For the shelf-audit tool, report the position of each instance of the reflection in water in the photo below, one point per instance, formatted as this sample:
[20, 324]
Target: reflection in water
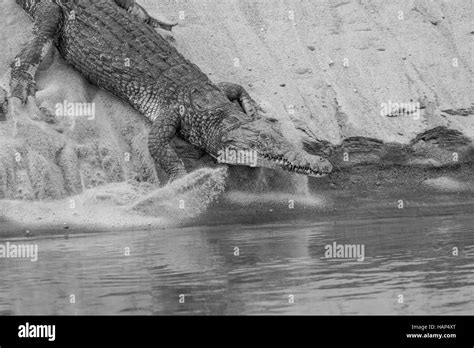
[408, 256]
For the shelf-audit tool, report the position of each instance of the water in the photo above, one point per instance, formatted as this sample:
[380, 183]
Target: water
[409, 256]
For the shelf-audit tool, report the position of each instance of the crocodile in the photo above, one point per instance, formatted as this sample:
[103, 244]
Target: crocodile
[114, 44]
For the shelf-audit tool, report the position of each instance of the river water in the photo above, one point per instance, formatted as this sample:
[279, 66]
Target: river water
[278, 268]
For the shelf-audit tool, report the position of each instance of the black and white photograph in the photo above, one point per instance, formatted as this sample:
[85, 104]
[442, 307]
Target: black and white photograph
[237, 158]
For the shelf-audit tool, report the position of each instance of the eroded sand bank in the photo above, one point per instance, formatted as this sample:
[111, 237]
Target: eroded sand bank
[323, 69]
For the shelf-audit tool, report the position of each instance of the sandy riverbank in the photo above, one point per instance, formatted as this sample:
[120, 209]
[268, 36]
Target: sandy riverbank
[323, 69]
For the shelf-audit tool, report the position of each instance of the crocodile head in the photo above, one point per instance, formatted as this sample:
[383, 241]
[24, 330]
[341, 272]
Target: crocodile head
[260, 143]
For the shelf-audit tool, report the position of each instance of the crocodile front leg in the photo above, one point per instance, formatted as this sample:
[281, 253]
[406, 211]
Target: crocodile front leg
[134, 8]
[238, 94]
[47, 18]
[159, 144]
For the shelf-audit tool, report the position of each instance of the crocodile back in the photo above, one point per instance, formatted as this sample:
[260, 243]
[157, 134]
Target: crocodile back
[117, 52]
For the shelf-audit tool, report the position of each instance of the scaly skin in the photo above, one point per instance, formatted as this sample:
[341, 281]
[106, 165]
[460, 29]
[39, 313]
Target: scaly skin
[114, 45]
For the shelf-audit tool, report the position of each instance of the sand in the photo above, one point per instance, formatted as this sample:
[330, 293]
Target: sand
[322, 68]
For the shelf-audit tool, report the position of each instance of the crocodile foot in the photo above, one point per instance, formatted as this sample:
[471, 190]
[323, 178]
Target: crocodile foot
[179, 173]
[22, 86]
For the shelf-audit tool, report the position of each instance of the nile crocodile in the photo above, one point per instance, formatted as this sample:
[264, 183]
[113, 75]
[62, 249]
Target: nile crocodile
[114, 44]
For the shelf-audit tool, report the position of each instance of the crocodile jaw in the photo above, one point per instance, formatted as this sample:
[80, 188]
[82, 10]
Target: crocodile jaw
[291, 159]
[296, 162]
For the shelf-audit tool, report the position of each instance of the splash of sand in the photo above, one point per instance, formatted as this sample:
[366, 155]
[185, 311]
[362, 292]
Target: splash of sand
[123, 205]
[275, 187]
[186, 197]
